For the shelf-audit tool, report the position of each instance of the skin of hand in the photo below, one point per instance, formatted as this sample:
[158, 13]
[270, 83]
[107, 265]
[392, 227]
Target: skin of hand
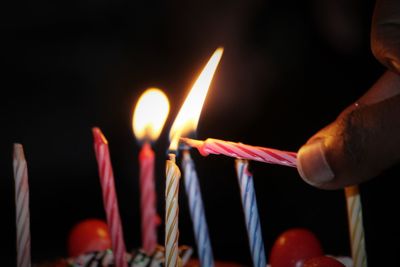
[365, 138]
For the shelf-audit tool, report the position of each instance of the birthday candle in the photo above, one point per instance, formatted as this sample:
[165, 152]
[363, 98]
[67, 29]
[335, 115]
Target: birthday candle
[243, 151]
[109, 197]
[148, 199]
[197, 211]
[185, 124]
[249, 203]
[356, 229]
[171, 213]
[22, 207]
[149, 117]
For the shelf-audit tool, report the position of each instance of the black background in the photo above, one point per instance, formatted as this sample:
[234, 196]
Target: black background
[288, 69]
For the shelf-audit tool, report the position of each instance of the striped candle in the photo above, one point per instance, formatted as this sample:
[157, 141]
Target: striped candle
[243, 151]
[197, 214]
[109, 197]
[249, 203]
[22, 207]
[356, 228]
[148, 119]
[148, 199]
[171, 213]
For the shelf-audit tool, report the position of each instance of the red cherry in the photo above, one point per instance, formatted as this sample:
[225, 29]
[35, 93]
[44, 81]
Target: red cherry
[322, 261]
[87, 236]
[293, 247]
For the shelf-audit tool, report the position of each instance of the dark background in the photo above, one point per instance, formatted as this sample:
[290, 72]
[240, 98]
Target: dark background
[288, 69]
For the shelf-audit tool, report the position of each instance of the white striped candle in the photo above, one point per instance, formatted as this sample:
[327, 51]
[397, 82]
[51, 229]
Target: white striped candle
[22, 207]
[173, 175]
[249, 203]
[356, 228]
[197, 213]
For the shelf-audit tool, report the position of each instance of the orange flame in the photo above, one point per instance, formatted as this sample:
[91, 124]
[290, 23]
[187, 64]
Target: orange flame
[189, 114]
[150, 114]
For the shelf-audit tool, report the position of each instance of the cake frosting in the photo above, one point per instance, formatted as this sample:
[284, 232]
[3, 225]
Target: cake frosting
[137, 258]
[104, 258]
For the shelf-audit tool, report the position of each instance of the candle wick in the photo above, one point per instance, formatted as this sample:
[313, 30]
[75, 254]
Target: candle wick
[185, 147]
[172, 157]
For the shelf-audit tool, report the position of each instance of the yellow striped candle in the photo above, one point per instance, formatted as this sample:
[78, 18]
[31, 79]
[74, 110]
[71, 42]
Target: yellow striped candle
[356, 228]
[173, 175]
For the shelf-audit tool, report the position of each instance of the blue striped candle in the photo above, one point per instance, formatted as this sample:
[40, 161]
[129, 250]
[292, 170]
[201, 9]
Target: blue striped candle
[197, 214]
[251, 213]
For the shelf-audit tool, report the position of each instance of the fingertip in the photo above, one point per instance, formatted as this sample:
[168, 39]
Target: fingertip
[313, 166]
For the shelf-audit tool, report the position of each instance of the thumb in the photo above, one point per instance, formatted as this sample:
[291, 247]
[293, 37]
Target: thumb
[362, 142]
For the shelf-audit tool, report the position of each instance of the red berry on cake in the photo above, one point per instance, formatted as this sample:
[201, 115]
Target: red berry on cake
[293, 247]
[88, 236]
[322, 261]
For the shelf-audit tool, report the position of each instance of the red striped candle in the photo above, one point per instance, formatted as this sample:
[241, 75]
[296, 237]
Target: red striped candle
[149, 117]
[109, 197]
[22, 207]
[243, 151]
[148, 199]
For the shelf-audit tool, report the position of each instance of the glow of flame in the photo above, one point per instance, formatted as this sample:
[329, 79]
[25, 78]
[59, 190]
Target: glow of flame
[189, 114]
[150, 114]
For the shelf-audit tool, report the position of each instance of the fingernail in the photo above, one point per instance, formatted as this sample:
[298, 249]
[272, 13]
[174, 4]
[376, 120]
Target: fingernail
[312, 164]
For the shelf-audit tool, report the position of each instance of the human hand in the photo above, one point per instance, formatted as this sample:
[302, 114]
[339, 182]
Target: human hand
[365, 139]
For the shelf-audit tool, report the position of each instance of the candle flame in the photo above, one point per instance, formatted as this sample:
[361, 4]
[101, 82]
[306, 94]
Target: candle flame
[189, 114]
[150, 114]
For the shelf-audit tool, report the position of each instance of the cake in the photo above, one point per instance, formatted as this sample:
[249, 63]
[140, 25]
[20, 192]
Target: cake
[104, 258]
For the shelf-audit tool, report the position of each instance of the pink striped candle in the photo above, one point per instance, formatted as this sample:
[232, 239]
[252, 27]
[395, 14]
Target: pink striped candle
[109, 197]
[243, 151]
[148, 199]
[22, 207]
[149, 117]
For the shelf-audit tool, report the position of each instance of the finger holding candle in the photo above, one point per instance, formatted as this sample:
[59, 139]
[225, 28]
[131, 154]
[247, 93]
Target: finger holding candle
[356, 228]
[148, 120]
[243, 151]
[109, 197]
[22, 207]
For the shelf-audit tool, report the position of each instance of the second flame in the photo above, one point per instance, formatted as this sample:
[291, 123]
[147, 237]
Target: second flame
[189, 114]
